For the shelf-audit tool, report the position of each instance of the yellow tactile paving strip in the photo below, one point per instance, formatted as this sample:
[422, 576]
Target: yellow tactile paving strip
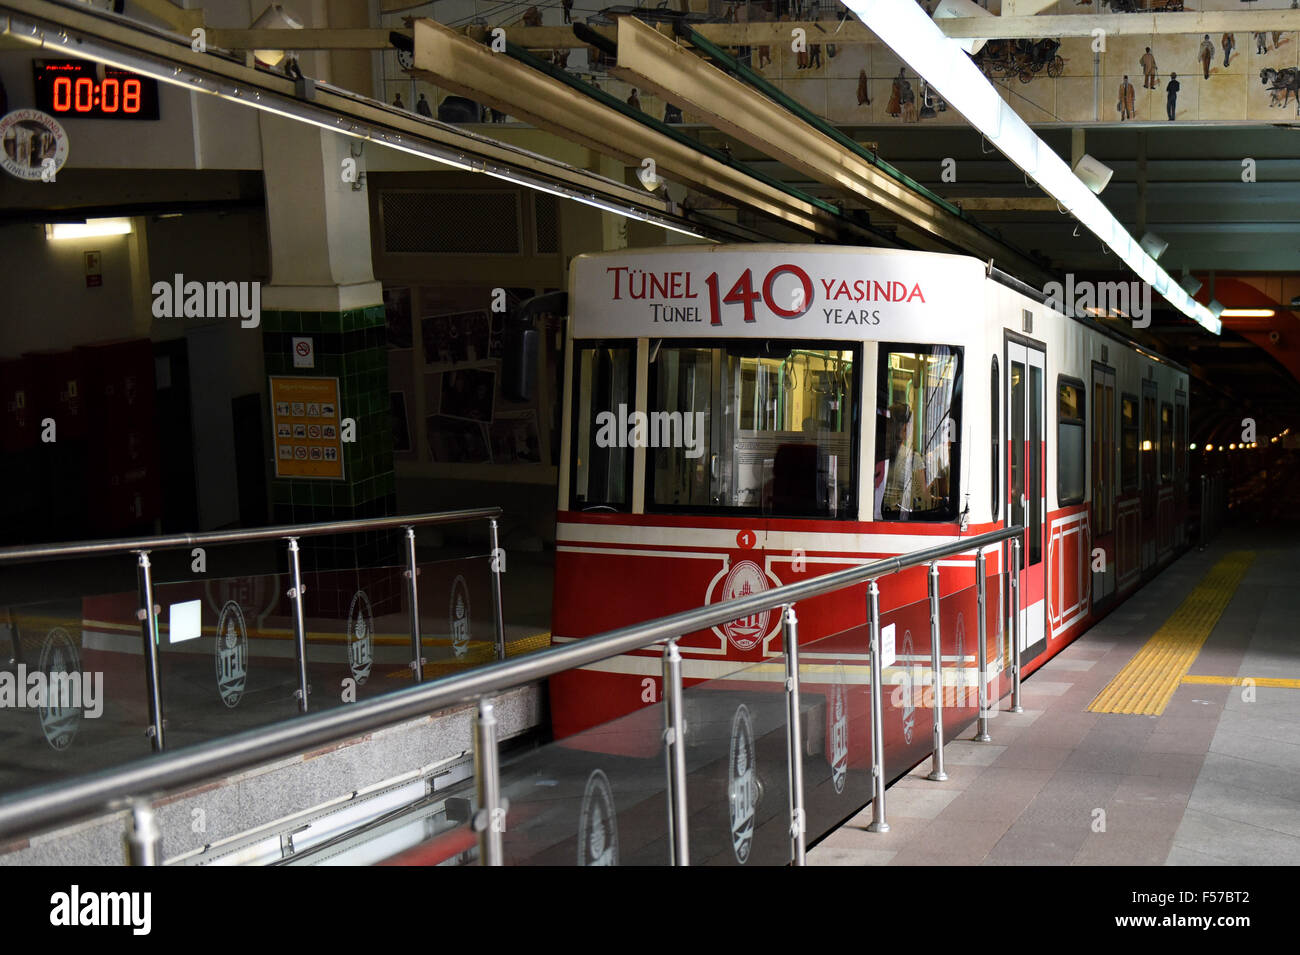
[1148, 681]
[1282, 682]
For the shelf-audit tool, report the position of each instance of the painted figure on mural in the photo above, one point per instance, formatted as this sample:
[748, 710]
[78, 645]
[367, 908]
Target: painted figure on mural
[764, 56]
[1207, 54]
[815, 53]
[1148, 64]
[1229, 43]
[894, 106]
[907, 99]
[864, 94]
[1261, 42]
[1171, 95]
[567, 7]
[1127, 100]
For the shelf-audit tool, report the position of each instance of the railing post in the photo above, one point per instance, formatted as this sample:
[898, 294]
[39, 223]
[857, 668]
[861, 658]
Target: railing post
[982, 649]
[296, 591]
[794, 734]
[413, 594]
[497, 609]
[936, 677]
[878, 823]
[675, 751]
[149, 633]
[490, 818]
[143, 838]
[1015, 626]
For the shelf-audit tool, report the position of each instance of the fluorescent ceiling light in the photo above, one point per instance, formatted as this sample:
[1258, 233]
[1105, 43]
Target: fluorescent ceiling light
[90, 229]
[1247, 313]
[913, 36]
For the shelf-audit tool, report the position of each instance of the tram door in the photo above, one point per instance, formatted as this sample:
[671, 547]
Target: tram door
[1026, 430]
[1103, 482]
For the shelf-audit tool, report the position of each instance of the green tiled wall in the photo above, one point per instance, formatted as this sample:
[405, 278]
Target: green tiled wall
[351, 346]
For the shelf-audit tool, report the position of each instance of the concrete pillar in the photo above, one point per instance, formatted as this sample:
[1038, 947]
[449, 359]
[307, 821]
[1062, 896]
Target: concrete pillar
[323, 290]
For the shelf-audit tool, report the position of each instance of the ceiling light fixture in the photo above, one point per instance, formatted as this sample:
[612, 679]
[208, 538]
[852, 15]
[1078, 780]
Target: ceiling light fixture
[1093, 173]
[904, 26]
[90, 229]
[1153, 245]
[1247, 313]
[274, 17]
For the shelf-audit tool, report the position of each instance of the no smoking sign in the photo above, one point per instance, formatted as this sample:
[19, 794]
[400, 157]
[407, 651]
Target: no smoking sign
[304, 353]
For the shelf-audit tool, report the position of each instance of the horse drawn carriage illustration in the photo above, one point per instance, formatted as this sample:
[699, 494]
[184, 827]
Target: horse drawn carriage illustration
[1002, 59]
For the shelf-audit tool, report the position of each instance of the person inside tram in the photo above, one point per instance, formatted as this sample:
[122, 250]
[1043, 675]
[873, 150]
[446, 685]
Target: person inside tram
[902, 484]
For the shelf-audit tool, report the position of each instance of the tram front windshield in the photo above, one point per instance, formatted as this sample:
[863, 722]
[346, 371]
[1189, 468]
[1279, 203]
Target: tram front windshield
[774, 426]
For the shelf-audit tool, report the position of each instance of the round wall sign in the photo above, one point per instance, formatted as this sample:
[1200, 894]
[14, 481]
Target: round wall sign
[33, 146]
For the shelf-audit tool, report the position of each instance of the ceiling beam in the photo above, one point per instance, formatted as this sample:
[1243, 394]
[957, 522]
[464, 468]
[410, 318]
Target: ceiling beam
[59, 29]
[655, 62]
[461, 66]
[853, 33]
[1007, 203]
[1213, 22]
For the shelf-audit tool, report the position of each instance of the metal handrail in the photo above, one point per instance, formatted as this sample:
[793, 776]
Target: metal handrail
[117, 788]
[147, 611]
[282, 532]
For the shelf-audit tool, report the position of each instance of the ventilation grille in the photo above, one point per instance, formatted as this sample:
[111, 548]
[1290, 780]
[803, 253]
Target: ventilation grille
[456, 222]
[546, 212]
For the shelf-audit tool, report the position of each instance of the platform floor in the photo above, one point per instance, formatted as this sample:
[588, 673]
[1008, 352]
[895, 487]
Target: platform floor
[1214, 779]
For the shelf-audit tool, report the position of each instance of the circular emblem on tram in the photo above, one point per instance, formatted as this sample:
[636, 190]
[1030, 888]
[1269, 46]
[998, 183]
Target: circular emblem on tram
[742, 784]
[60, 714]
[458, 616]
[361, 637]
[906, 684]
[598, 823]
[232, 654]
[840, 728]
[745, 578]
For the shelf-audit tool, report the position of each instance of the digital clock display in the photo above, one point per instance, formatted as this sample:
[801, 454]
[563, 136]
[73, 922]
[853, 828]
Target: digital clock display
[86, 90]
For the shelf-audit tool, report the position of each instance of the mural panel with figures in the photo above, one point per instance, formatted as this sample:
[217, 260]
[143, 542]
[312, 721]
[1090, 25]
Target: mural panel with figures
[1225, 77]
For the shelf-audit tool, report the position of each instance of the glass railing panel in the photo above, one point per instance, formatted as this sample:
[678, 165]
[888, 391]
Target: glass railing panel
[54, 726]
[835, 706]
[357, 623]
[597, 797]
[226, 656]
[737, 763]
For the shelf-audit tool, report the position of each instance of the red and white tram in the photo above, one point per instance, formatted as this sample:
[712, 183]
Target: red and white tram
[737, 418]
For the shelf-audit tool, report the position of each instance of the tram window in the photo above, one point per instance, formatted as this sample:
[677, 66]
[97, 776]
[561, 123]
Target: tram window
[761, 426]
[1070, 441]
[1128, 458]
[1166, 443]
[602, 464]
[995, 387]
[918, 428]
